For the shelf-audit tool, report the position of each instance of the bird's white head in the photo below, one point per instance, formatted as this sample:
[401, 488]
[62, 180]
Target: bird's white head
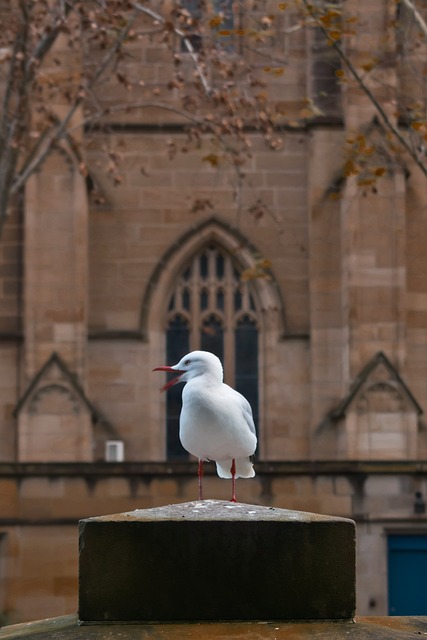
[196, 363]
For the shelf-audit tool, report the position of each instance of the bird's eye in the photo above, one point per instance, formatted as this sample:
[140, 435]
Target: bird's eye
[187, 362]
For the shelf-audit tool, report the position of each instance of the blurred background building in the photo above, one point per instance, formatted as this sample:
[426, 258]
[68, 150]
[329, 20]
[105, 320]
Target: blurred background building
[307, 278]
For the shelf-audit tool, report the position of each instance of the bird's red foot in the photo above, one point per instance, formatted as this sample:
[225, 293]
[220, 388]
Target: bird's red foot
[200, 475]
[233, 481]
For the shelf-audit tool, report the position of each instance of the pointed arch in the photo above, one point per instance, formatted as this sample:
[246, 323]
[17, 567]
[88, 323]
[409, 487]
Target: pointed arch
[198, 299]
[161, 283]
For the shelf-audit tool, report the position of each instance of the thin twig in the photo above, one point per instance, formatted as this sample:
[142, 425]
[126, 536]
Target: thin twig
[47, 41]
[113, 50]
[418, 17]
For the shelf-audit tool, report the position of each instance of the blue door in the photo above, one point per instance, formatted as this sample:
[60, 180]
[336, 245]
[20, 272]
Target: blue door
[407, 575]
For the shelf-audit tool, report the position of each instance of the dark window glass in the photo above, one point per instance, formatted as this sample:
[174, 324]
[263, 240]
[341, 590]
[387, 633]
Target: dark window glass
[204, 266]
[224, 8]
[194, 8]
[326, 62]
[212, 337]
[237, 300]
[177, 345]
[225, 31]
[220, 299]
[186, 299]
[220, 266]
[196, 43]
[325, 84]
[204, 299]
[246, 362]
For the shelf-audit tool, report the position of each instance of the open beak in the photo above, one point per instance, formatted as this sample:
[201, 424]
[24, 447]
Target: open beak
[173, 381]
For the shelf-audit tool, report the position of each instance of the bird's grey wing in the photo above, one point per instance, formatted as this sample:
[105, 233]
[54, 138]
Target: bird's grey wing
[245, 407]
[247, 412]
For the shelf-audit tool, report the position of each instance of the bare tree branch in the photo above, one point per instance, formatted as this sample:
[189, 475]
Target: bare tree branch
[418, 17]
[362, 84]
[19, 81]
[45, 142]
[236, 98]
[187, 43]
[47, 40]
[14, 127]
[114, 48]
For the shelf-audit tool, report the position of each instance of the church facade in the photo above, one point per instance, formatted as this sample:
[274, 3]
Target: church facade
[308, 283]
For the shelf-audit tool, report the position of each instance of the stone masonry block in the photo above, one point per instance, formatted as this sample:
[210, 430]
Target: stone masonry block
[215, 560]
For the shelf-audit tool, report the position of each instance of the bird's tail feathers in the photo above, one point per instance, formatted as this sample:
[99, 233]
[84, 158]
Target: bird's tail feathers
[244, 468]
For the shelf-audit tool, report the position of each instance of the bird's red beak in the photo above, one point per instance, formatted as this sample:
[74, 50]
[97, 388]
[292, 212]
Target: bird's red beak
[173, 381]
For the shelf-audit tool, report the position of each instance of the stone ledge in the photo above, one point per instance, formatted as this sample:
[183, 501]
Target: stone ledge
[161, 468]
[374, 628]
[214, 560]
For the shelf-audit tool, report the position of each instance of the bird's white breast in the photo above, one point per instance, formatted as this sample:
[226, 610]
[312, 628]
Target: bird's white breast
[214, 422]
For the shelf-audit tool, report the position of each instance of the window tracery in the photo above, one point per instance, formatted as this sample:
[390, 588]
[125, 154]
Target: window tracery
[212, 309]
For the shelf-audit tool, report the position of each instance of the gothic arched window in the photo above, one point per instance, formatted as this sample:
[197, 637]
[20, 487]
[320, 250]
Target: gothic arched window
[213, 309]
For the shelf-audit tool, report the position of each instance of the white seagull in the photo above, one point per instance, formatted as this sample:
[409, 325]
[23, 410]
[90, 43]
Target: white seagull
[216, 421]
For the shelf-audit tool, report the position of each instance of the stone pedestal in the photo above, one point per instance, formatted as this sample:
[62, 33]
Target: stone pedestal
[215, 560]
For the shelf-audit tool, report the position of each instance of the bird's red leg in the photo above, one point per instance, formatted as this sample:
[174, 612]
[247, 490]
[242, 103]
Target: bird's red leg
[233, 481]
[200, 474]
